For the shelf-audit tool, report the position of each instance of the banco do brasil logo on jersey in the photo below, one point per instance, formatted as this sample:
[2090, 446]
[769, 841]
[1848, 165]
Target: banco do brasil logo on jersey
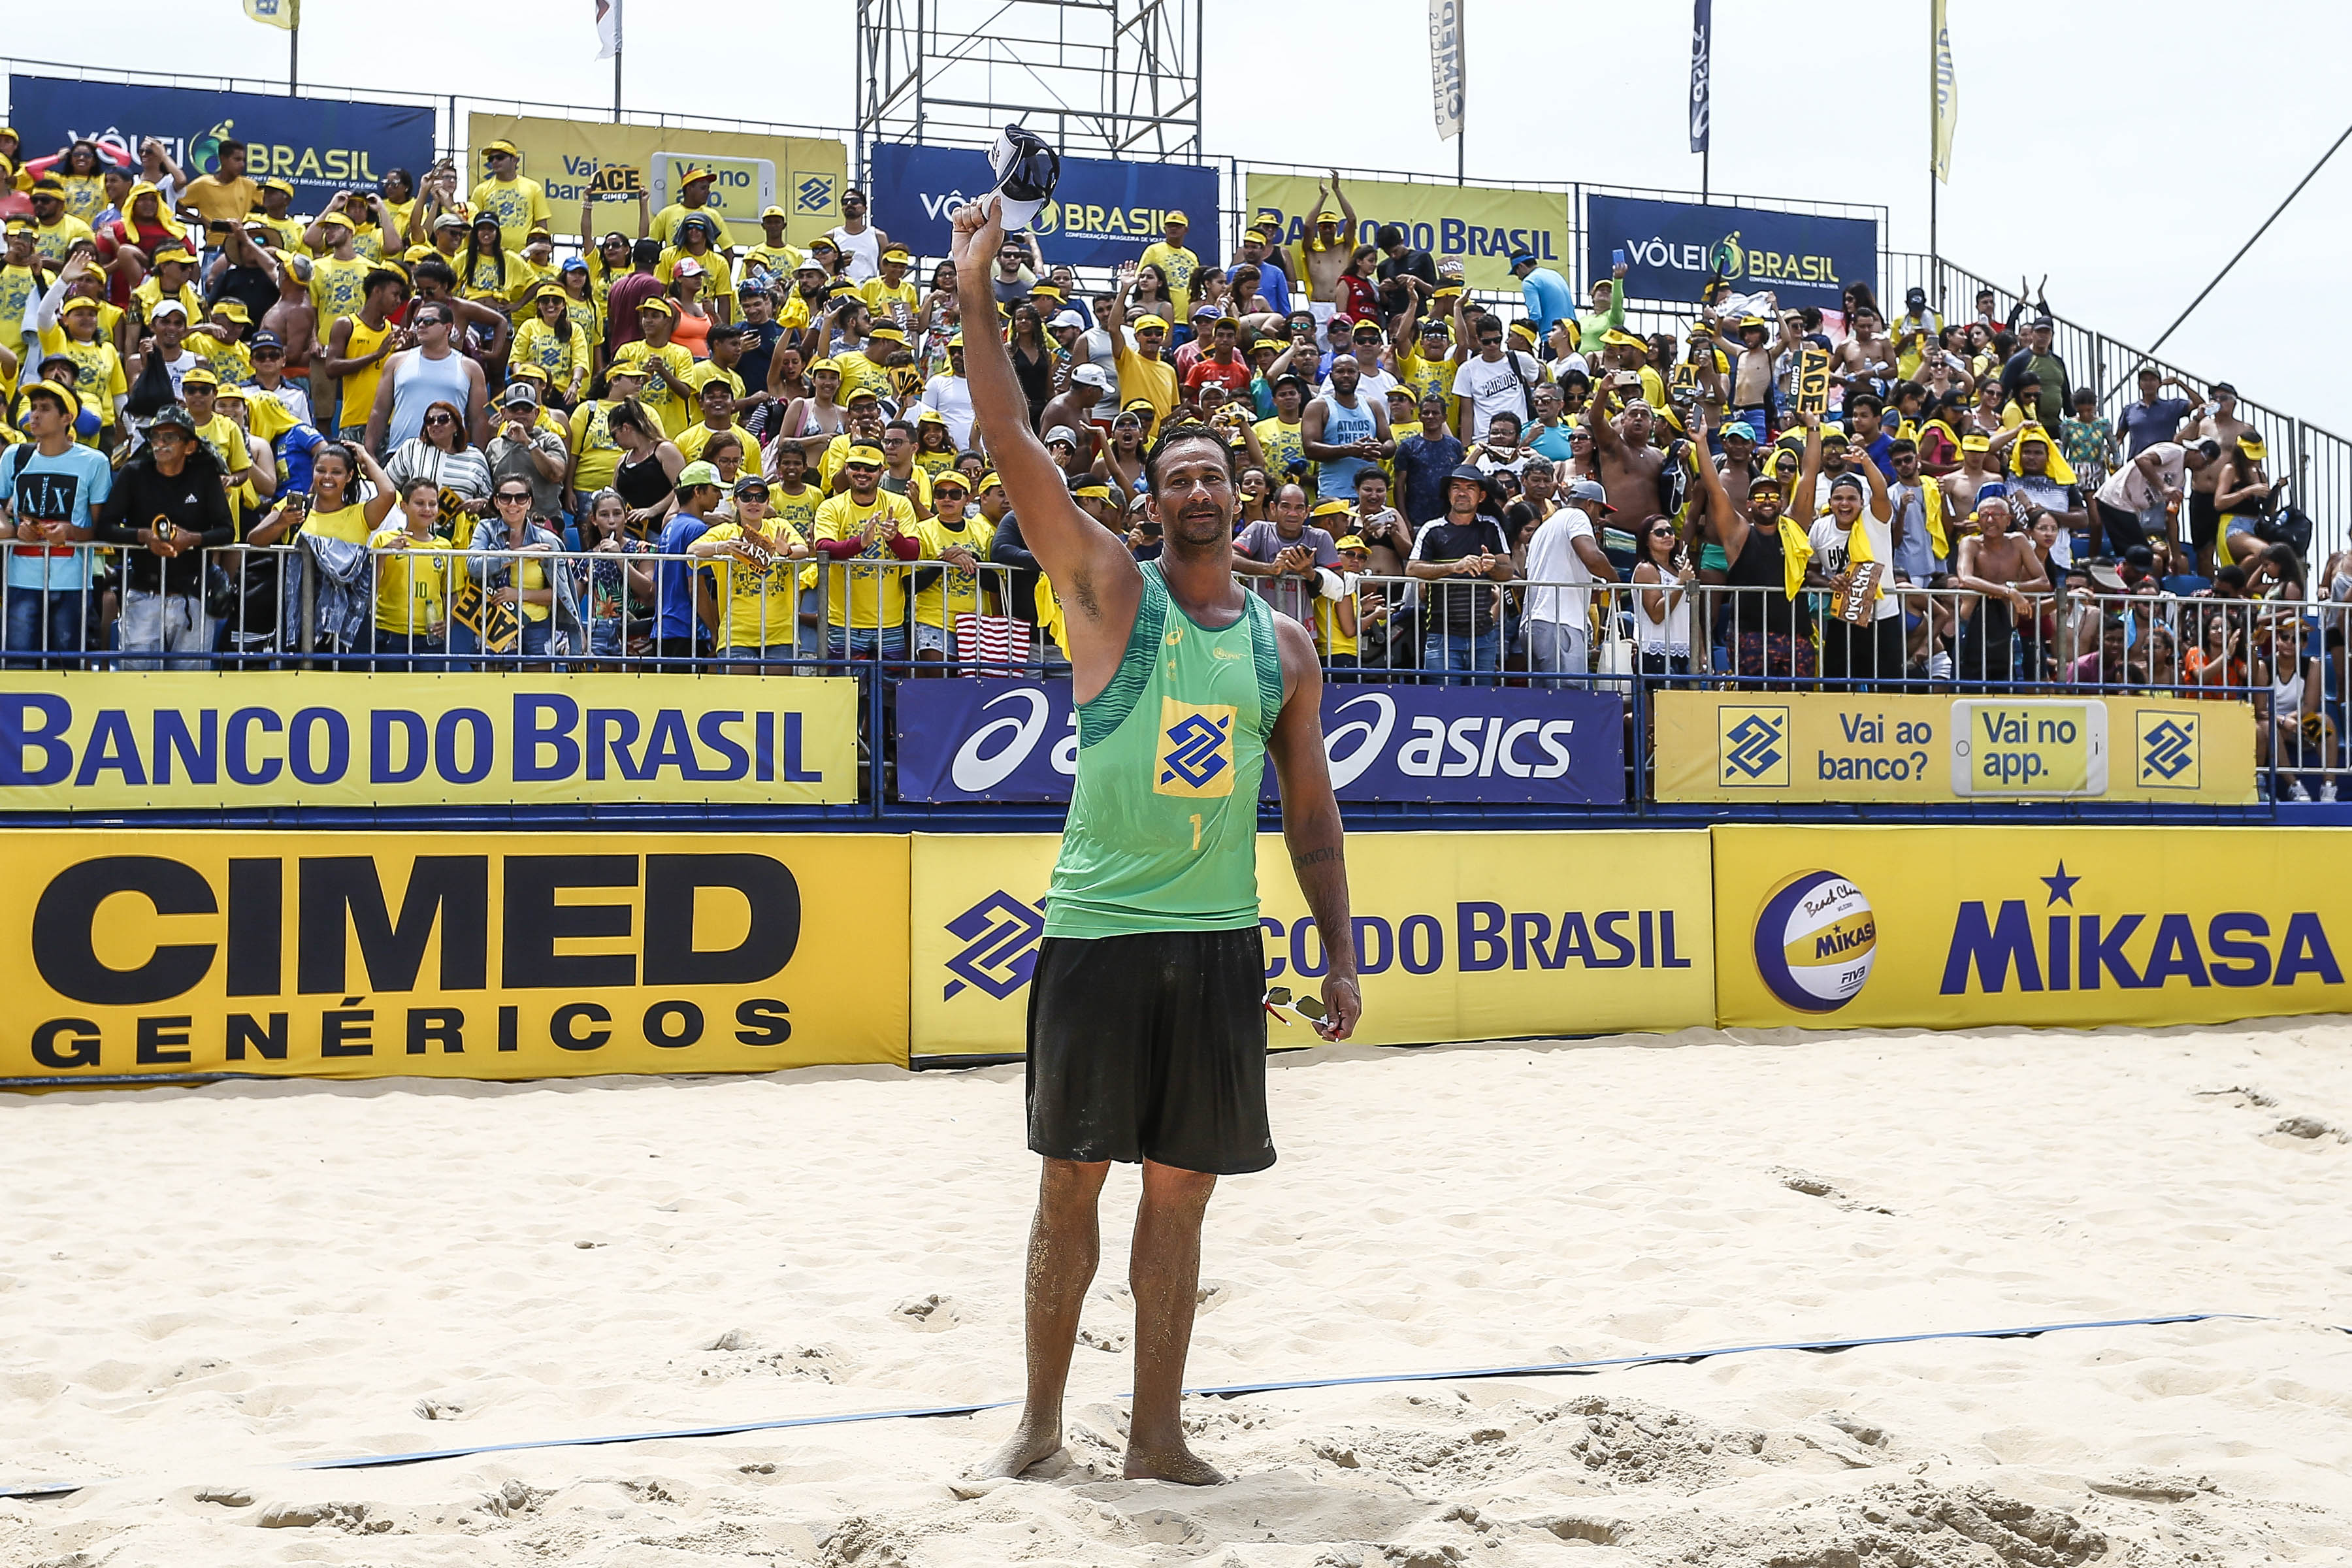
[1816, 939]
[1196, 753]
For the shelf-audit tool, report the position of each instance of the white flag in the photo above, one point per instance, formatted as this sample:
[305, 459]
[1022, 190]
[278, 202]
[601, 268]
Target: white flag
[608, 29]
[1445, 65]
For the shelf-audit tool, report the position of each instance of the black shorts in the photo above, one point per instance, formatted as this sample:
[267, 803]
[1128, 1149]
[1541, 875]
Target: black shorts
[1150, 1047]
[2204, 519]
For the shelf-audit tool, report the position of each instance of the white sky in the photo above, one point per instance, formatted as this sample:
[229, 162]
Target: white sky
[2124, 147]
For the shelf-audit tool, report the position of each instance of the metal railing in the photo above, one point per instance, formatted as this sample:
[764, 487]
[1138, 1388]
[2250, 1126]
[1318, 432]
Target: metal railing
[285, 608]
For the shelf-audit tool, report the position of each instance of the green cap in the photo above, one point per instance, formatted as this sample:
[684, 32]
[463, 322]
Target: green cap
[695, 474]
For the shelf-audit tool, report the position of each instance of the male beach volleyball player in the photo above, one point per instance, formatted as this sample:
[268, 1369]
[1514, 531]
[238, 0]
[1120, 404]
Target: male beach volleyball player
[1147, 1027]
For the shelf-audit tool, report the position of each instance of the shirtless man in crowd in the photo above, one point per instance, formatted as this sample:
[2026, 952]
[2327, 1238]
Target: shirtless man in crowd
[1629, 467]
[2002, 565]
[1327, 251]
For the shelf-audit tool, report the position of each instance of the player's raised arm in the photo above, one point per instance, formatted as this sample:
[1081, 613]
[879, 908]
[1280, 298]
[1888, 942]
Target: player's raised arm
[1093, 574]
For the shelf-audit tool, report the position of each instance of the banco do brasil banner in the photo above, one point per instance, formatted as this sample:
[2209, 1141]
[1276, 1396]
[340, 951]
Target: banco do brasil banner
[1672, 248]
[1459, 936]
[1103, 212]
[2065, 926]
[124, 740]
[1482, 226]
[322, 145]
[802, 175]
[449, 955]
[983, 739]
[1758, 747]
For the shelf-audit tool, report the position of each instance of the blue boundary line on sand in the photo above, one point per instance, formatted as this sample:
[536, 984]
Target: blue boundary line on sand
[1224, 1391]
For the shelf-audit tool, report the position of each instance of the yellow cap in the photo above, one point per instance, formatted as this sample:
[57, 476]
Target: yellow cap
[199, 377]
[502, 145]
[655, 303]
[833, 365]
[1151, 323]
[1333, 507]
[870, 457]
[63, 394]
[989, 480]
[1174, 217]
[235, 311]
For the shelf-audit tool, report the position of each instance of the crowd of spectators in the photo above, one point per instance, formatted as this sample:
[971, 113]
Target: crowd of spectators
[1432, 482]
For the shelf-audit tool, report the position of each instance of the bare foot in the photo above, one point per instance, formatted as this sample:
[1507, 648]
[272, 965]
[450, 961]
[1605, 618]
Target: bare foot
[1178, 1464]
[1027, 1446]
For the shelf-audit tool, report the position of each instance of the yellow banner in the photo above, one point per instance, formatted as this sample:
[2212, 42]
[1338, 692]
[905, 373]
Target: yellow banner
[565, 155]
[1951, 928]
[127, 741]
[1459, 936]
[1818, 746]
[449, 955]
[1481, 225]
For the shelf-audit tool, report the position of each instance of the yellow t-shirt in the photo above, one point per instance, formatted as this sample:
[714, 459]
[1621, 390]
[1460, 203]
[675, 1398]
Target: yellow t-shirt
[336, 289]
[519, 202]
[1179, 267]
[890, 304]
[232, 362]
[480, 282]
[666, 222]
[718, 278]
[412, 580]
[797, 512]
[1283, 445]
[221, 201]
[99, 377]
[760, 607]
[563, 359]
[50, 244]
[596, 456]
[1327, 628]
[954, 591]
[289, 231]
[85, 193]
[699, 434]
[674, 412]
[1151, 380]
[876, 594]
[19, 285]
[777, 260]
[858, 373]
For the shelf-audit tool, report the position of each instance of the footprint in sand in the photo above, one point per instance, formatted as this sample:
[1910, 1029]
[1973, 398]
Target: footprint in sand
[926, 1314]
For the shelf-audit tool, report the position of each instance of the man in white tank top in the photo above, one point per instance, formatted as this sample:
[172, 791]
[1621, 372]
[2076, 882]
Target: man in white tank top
[433, 372]
[860, 241]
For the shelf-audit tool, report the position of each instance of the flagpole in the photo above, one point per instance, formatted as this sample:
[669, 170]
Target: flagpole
[1935, 92]
[294, 52]
[1461, 130]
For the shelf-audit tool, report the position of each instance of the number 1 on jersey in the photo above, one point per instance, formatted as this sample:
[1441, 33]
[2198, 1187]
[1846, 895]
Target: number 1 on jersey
[1196, 833]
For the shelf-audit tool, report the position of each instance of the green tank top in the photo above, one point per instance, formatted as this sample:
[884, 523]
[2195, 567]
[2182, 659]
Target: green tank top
[1162, 832]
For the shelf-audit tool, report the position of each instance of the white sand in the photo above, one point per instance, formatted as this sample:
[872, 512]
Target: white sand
[202, 1286]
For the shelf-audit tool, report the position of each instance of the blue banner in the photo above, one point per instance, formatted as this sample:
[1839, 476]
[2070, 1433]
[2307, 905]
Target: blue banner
[1103, 212]
[987, 739]
[322, 145]
[1672, 248]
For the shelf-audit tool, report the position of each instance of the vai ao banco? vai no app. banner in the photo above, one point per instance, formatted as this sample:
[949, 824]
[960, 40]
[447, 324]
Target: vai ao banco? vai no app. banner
[450, 956]
[1459, 936]
[127, 741]
[1818, 746]
[1952, 927]
[802, 175]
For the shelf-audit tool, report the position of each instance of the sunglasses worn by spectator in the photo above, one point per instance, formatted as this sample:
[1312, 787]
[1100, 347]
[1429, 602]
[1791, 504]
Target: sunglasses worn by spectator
[506, 495]
[438, 419]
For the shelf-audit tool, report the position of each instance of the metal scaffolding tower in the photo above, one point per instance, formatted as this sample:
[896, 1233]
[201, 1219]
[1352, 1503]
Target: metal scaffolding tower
[1116, 78]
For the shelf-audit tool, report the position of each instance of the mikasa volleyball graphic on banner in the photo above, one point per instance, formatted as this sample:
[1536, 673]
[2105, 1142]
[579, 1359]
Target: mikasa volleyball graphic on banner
[1816, 938]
